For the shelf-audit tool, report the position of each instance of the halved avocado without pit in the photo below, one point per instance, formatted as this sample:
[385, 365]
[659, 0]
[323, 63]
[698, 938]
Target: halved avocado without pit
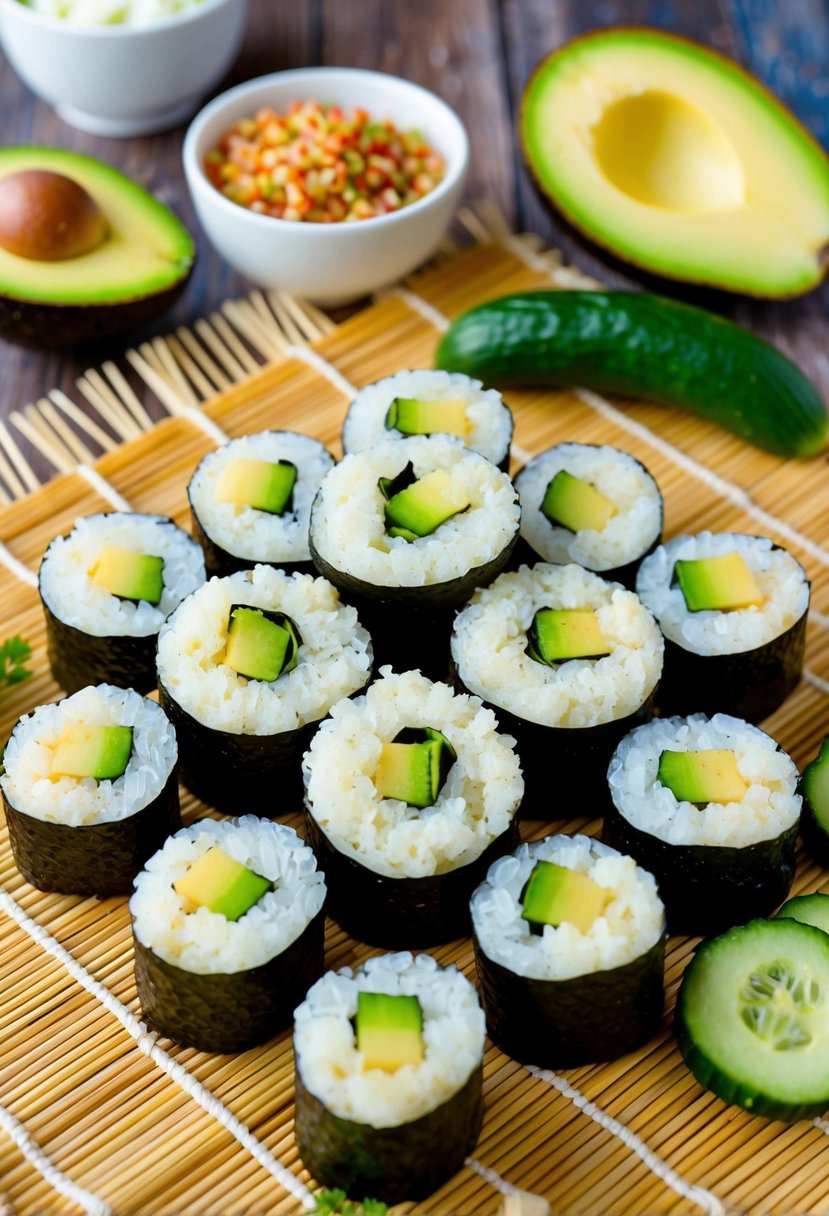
[125, 261]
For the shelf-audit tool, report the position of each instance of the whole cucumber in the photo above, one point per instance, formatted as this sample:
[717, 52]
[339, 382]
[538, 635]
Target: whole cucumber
[642, 346]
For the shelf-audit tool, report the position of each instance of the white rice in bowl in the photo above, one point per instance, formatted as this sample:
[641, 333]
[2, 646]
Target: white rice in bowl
[490, 421]
[206, 942]
[490, 638]
[780, 578]
[769, 807]
[348, 528]
[333, 661]
[615, 474]
[332, 1068]
[631, 923]
[476, 803]
[79, 801]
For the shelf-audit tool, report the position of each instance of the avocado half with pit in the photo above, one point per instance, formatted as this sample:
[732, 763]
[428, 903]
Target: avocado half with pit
[675, 159]
[85, 252]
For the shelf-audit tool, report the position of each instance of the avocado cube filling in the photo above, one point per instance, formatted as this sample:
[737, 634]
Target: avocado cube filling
[701, 777]
[220, 883]
[261, 645]
[425, 504]
[575, 504]
[555, 895]
[722, 583]
[413, 767]
[129, 575]
[102, 752]
[559, 634]
[413, 417]
[389, 1030]
[261, 484]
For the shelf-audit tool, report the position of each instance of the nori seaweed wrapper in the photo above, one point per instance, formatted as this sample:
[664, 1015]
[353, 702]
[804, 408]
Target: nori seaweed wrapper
[96, 858]
[569, 1022]
[239, 774]
[525, 555]
[219, 561]
[393, 1164]
[708, 888]
[231, 1011]
[409, 639]
[401, 913]
[77, 658]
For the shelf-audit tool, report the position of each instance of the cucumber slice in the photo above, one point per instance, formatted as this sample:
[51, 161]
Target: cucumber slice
[752, 1018]
[814, 821]
[809, 909]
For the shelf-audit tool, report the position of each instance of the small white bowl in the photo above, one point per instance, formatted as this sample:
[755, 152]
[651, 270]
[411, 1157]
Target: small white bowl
[124, 80]
[328, 263]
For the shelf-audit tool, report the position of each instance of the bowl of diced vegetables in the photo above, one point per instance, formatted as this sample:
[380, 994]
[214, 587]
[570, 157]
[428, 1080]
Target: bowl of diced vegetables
[328, 183]
[122, 67]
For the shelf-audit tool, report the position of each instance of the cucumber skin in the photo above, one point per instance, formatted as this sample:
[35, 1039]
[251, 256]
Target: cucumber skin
[813, 826]
[643, 346]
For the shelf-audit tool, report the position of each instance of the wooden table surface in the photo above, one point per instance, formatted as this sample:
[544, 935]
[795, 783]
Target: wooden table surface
[476, 54]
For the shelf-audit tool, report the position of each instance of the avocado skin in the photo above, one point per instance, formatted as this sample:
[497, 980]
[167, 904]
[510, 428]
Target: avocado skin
[401, 913]
[393, 1164]
[708, 888]
[582, 1020]
[229, 1012]
[96, 858]
[57, 326]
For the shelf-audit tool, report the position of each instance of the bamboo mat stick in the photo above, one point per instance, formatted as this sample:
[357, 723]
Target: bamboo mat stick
[235, 350]
[84, 422]
[21, 464]
[127, 396]
[99, 394]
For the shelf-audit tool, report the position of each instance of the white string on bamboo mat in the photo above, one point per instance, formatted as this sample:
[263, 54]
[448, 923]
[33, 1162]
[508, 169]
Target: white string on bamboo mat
[147, 1044]
[16, 567]
[687, 1190]
[59, 1181]
[315, 360]
[205, 423]
[426, 310]
[492, 1177]
[102, 487]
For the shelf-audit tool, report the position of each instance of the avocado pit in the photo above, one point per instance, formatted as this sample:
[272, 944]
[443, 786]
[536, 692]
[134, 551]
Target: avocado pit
[48, 217]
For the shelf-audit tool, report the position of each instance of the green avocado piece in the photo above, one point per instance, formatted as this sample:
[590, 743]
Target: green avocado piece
[414, 766]
[389, 1030]
[261, 645]
[723, 583]
[414, 417]
[135, 273]
[559, 634]
[102, 752]
[555, 894]
[704, 776]
[424, 505]
[262, 484]
[222, 884]
[576, 504]
[129, 575]
[678, 160]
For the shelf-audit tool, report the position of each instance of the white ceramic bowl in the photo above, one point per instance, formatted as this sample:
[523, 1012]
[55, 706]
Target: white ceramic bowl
[120, 79]
[328, 263]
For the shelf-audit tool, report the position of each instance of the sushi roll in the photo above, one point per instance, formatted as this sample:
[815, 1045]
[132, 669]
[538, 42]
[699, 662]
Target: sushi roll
[411, 793]
[250, 501]
[228, 927]
[711, 808]
[90, 790]
[569, 663]
[569, 940]
[407, 530]
[733, 611]
[593, 505]
[247, 665]
[430, 402]
[106, 590]
[389, 1066]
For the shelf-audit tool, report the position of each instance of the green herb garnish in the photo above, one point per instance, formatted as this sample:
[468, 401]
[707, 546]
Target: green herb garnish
[13, 655]
[337, 1203]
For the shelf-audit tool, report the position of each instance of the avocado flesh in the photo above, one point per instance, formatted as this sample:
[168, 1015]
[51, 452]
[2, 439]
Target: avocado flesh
[405, 772]
[411, 416]
[703, 776]
[722, 583]
[261, 484]
[426, 504]
[575, 504]
[555, 895]
[261, 645]
[102, 752]
[389, 1030]
[220, 883]
[677, 160]
[129, 575]
[559, 634]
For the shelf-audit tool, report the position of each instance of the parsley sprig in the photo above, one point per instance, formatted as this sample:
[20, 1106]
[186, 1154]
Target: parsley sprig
[336, 1203]
[13, 655]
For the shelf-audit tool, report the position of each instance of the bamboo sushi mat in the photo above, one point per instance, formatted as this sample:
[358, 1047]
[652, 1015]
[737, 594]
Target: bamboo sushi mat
[98, 1116]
